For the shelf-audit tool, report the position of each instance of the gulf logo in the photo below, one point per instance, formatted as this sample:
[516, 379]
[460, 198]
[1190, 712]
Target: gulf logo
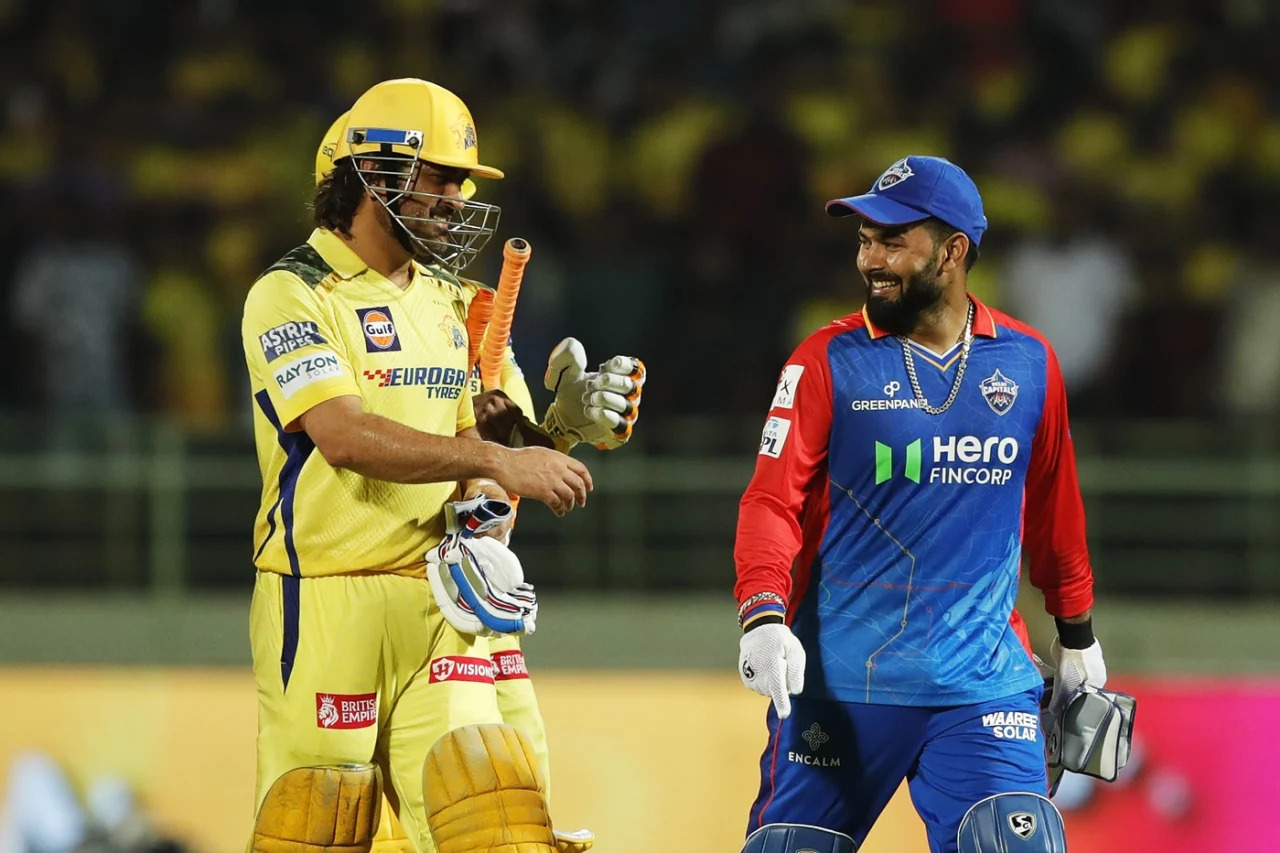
[379, 329]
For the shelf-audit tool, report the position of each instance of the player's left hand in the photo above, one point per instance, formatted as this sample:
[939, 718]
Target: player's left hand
[596, 407]
[1072, 668]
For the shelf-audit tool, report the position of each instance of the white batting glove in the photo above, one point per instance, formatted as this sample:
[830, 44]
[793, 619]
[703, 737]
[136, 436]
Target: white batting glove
[596, 407]
[771, 662]
[1072, 668]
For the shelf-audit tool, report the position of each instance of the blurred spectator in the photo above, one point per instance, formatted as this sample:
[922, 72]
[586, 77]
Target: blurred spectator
[1251, 370]
[1074, 284]
[75, 296]
[677, 152]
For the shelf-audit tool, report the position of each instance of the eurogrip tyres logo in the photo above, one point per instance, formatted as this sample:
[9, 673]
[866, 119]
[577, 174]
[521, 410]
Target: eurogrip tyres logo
[953, 460]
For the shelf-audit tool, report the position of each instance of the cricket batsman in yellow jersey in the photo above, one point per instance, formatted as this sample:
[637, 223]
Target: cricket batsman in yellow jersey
[356, 347]
[599, 408]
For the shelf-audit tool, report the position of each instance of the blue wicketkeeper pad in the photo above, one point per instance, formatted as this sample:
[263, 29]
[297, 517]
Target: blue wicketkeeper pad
[1012, 823]
[797, 838]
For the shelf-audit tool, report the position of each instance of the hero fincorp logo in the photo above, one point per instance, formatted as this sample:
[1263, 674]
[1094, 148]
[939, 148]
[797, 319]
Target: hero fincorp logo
[956, 460]
[439, 383]
[379, 329]
[287, 337]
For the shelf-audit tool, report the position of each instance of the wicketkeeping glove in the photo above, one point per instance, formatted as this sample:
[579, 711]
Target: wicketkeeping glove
[597, 407]
[771, 662]
[477, 581]
[1071, 669]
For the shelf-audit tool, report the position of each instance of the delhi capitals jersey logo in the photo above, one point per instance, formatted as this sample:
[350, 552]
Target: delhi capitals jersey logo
[1000, 392]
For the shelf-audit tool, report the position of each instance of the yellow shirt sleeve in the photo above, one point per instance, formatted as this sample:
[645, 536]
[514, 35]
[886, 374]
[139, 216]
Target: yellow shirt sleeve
[292, 347]
[466, 408]
[514, 386]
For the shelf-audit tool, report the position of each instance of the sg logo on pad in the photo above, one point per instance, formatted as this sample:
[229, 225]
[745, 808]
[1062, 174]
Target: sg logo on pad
[379, 329]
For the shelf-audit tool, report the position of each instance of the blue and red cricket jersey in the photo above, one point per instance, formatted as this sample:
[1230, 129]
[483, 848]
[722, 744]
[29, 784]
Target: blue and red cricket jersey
[897, 536]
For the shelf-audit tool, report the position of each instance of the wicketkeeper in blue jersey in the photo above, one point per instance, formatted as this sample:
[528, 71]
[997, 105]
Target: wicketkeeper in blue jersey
[912, 453]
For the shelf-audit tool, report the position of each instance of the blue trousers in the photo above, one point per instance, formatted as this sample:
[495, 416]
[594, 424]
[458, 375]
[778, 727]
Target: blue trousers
[837, 764]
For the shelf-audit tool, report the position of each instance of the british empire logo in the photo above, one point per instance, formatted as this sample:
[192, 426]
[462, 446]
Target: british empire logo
[999, 391]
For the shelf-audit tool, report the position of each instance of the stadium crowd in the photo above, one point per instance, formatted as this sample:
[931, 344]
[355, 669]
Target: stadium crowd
[673, 155]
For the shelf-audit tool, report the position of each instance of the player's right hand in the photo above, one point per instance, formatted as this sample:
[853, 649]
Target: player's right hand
[556, 479]
[771, 662]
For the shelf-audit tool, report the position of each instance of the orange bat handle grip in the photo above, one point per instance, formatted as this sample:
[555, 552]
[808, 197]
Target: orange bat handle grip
[478, 315]
[515, 254]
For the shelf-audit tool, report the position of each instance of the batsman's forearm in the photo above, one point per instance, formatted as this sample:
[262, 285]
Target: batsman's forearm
[381, 449]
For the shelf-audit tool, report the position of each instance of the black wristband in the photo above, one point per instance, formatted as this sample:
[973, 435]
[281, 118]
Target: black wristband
[766, 619]
[1075, 635]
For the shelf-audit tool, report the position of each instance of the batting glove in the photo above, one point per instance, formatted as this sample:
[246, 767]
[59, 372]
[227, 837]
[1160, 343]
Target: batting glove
[478, 583]
[771, 662]
[596, 407]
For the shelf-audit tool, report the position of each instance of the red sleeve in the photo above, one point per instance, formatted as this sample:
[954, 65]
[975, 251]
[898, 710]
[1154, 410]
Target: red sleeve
[789, 468]
[1054, 529]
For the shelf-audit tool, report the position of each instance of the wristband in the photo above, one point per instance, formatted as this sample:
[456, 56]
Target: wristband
[759, 605]
[1075, 635]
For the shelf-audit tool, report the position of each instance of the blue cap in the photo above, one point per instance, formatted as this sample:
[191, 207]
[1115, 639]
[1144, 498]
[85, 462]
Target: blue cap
[915, 188]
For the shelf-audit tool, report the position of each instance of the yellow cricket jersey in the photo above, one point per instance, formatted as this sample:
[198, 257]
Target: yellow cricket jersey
[512, 382]
[320, 324]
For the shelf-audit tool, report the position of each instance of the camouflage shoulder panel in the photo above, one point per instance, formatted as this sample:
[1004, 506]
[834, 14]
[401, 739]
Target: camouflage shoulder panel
[437, 271]
[304, 262]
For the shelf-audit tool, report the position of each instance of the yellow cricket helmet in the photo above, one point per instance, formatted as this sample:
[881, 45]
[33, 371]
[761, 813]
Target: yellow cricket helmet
[414, 118]
[329, 144]
[390, 131]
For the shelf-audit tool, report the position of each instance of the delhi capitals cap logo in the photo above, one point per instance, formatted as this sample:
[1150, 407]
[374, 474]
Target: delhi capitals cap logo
[999, 391]
[894, 175]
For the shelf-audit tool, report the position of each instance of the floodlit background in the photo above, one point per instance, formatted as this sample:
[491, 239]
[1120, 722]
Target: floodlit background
[668, 160]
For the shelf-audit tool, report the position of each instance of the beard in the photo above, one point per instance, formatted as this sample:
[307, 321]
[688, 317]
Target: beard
[918, 295]
[426, 241]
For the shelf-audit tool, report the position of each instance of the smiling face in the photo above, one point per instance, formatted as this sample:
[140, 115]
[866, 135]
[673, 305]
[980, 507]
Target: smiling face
[902, 268]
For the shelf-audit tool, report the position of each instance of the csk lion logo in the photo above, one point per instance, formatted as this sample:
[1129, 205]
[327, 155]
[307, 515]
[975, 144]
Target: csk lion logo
[464, 132]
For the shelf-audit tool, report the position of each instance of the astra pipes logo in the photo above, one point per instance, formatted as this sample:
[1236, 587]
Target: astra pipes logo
[955, 460]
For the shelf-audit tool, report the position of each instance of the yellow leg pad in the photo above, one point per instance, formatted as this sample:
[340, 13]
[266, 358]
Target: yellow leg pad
[311, 809]
[483, 792]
